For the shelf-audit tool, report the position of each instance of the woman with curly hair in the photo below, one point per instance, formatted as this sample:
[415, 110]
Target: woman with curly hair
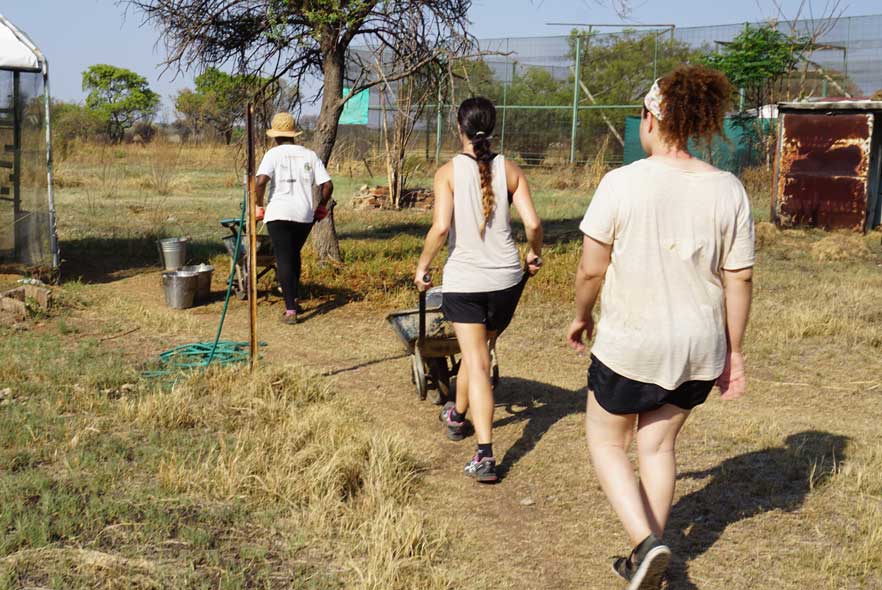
[483, 276]
[670, 240]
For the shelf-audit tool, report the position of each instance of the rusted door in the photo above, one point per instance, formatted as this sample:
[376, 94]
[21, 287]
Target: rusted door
[823, 169]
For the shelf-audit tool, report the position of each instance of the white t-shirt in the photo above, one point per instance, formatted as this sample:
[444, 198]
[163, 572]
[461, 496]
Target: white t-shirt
[662, 317]
[293, 171]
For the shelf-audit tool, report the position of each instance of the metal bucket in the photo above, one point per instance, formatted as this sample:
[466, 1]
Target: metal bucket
[172, 252]
[180, 288]
[203, 279]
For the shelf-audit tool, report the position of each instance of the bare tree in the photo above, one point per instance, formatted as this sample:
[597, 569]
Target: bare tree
[302, 39]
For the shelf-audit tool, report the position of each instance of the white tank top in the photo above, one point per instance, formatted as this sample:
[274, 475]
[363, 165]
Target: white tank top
[476, 265]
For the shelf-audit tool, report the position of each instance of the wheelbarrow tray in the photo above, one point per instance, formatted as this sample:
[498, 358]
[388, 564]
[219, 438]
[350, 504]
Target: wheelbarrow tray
[440, 339]
[264, 247]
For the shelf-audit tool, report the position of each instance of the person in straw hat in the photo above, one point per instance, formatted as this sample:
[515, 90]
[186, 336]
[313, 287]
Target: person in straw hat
[291, 171]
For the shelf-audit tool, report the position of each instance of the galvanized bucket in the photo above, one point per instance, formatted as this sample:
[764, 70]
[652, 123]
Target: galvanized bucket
[172, 252]
[180, 288]
[203, 282]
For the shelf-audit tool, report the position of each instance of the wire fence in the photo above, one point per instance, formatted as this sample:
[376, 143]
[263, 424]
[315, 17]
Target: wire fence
[566, 98]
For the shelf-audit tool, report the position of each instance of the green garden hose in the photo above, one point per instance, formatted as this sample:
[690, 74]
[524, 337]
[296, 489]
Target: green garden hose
[201, 354]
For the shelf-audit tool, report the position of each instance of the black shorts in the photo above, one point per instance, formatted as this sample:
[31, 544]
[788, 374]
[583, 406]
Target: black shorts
[619, 395]
[494, 309]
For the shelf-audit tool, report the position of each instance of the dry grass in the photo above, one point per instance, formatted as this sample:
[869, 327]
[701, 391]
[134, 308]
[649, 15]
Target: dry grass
[283, 441]
[840, 246]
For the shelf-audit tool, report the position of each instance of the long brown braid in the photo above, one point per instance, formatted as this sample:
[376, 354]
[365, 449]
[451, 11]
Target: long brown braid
[477, 118]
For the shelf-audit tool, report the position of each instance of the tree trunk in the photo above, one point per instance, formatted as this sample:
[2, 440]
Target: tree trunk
[324, 233]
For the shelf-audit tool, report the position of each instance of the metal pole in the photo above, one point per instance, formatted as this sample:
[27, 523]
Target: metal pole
[502, 128]
[53, 232]
[17, 111]
[655, 58]
[252, 237]
[576, 98]
[741, 100]
[438, 126]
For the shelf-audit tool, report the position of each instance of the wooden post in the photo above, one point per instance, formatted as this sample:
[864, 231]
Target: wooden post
[252, 237]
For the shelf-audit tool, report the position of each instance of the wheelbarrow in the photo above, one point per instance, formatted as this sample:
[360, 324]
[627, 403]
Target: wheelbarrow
[265, 259]
[431, 343]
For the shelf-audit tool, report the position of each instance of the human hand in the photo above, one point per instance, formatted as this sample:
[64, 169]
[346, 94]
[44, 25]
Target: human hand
[320, 213]
[534, 263]
[733, 381]
[422, 279]
[259, 213]
[575, 332]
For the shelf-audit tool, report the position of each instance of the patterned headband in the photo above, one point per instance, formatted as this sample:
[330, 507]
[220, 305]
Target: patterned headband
[653, 100]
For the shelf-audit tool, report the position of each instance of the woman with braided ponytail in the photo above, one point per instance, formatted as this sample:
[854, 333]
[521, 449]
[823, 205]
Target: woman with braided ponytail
[483, 277]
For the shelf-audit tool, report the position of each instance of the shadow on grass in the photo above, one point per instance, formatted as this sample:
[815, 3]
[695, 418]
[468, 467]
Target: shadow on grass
[104, 260]
[540, 405]
[556, 231]
[777, 478]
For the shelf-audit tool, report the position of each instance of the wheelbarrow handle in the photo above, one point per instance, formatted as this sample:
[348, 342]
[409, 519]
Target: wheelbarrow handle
[427, 278]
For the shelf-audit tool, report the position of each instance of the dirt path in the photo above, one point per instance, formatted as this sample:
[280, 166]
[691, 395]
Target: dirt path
[744, 505]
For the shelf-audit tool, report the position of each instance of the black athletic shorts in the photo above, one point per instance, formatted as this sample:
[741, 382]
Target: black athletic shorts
[619, 395]
[494, 309]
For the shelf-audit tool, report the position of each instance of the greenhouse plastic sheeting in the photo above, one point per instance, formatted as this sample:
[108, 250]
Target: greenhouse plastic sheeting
[24, 209]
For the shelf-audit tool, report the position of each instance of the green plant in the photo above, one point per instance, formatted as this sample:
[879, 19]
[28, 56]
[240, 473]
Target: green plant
[120, 97]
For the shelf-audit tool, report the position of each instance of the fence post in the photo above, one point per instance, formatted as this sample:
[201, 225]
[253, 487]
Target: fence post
[438, 126]
[576, 98]
[504, 110]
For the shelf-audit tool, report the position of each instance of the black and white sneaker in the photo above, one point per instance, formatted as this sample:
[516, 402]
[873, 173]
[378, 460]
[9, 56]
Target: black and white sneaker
[646, 566]
[483, 469]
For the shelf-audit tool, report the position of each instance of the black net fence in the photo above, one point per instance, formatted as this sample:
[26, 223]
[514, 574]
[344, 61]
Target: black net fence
[567, 98]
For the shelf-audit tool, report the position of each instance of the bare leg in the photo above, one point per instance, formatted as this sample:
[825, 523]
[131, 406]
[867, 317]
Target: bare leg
[608, 438]
[462, 387]
[472, 340]
[656, 438]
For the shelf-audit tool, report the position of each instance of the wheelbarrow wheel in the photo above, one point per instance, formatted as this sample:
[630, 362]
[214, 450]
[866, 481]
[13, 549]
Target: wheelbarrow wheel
[440, 373]
[418, 372]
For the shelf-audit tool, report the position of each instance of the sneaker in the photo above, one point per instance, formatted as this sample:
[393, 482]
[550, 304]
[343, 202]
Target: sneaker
[455, 430]
[646, 566]
[289, 318]
[483, 469]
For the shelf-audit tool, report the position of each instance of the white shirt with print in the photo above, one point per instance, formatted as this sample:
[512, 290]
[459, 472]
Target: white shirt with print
[293, 171]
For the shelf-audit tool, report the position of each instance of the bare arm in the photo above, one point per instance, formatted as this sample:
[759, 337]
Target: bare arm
[523, 202]
[327, 191]
[260, 188]
[442, 216]
[589, 278]
[738, 293]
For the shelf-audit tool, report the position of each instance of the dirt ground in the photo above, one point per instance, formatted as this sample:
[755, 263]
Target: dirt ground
[750, 509]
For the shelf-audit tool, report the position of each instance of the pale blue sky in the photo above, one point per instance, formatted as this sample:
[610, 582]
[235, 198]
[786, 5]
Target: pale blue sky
[77, 33]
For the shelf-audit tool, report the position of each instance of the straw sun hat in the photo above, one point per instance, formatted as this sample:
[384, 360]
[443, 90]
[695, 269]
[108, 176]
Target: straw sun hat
[283, 126]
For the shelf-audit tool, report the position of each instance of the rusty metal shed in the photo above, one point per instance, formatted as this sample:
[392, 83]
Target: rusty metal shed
[827, 166]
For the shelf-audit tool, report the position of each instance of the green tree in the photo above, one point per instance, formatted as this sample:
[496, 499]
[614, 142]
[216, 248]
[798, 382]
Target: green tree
[223, 97]
[120, 97]
[618, 70]
[71, 123]
[760, 60]
[190, 108]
